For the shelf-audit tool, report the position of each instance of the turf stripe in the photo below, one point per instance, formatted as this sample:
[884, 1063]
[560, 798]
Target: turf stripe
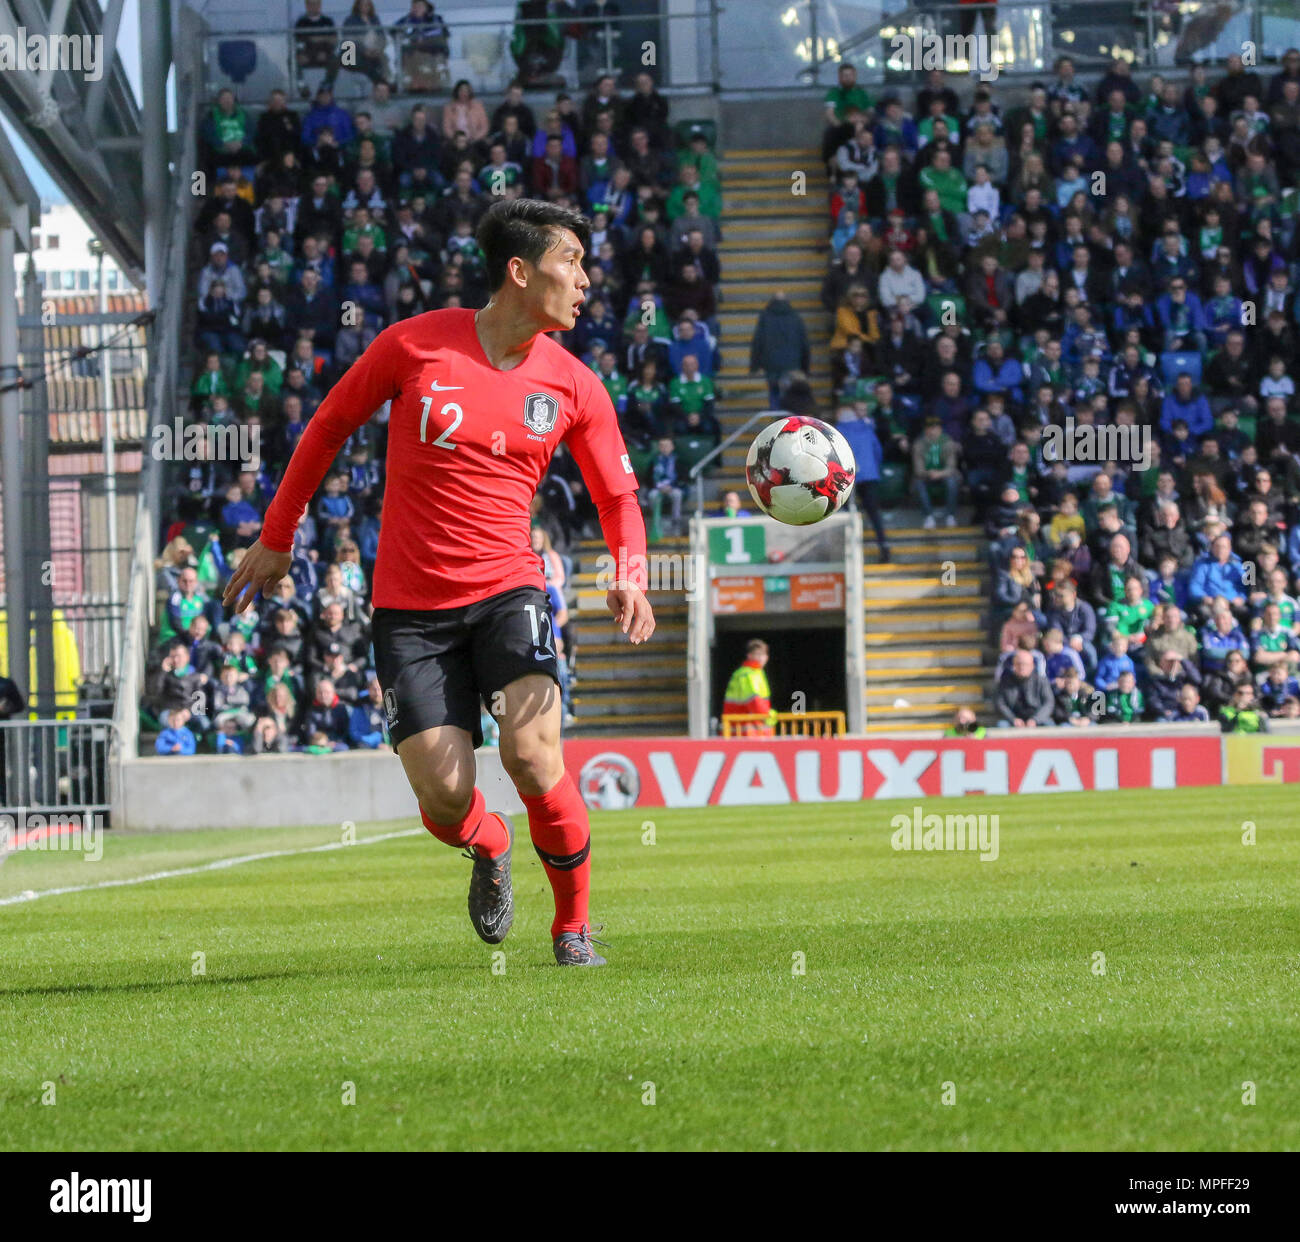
[218, 865]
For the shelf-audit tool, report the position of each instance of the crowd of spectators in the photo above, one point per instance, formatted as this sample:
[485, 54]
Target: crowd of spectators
[321, 230]
[1079, 316]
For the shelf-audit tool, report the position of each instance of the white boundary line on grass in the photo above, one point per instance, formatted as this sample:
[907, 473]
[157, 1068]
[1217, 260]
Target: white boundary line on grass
[218, 865]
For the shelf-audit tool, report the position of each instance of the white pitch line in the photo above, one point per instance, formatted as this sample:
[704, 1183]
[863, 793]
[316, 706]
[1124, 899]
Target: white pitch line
[218, 865]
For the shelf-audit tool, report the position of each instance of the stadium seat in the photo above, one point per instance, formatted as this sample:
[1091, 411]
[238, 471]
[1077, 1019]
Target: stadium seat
[683, 130]
[937, 301]
[237, 58]
[1174, 361]
[893, 485]
[1247, 425]
[691, 449]
[640, 459]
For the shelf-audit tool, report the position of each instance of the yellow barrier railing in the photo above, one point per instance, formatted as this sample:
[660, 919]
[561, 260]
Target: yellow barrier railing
[787, 724]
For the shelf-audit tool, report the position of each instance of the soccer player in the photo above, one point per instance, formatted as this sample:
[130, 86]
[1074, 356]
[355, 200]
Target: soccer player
[479, 400]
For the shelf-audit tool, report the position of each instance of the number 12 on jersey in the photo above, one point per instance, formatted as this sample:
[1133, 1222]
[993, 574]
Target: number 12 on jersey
[426, 404]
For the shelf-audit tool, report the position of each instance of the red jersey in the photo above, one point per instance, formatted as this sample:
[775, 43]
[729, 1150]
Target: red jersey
[468, 445]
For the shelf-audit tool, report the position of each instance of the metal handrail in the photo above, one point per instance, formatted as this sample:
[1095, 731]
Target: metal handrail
[812, 72]
[696, 472]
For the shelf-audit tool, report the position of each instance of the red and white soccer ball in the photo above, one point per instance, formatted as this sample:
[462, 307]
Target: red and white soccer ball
[800, 470]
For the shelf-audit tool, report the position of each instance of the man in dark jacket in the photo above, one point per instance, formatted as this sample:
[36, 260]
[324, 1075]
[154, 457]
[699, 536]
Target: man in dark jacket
[779, 343]
[279, 129]
[1165, 684]
[328, 715]
[174, 684]
[1168, 537]
[332, 629]
[1077, 621]
[1024, 697]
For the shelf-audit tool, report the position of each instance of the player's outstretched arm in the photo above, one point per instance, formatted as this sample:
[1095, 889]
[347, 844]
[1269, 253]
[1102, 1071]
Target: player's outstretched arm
[632, 611]
[257, 574]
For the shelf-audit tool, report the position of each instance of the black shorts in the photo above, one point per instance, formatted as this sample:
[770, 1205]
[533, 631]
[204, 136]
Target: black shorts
[436, 665]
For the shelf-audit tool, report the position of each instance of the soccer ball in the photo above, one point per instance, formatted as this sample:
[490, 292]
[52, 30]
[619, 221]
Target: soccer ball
[799, 470]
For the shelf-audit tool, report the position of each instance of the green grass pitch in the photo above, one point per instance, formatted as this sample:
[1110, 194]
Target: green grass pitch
[358, 965]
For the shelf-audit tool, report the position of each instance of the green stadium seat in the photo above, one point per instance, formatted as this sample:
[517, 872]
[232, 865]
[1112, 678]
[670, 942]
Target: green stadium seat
[937, 301]
[1247, 424]
[691, 449]
[682, 131]
[893, 485]
[640, 459]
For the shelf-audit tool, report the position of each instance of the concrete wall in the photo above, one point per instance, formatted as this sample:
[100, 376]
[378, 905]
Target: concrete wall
[277, 791]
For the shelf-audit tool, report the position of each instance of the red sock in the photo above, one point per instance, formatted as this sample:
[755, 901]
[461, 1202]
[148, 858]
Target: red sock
[485, 832]
[557, 822]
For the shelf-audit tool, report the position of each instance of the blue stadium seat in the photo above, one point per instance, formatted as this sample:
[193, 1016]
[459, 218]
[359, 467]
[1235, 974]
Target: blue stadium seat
[237, 58]
[1174, 361]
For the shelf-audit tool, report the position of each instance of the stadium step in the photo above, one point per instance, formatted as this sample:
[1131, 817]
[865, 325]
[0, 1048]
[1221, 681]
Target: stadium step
[927, 588]
[920, 555]
[900, 615]
[623, 704]
[640, 724]
[900, 696]
[588, 687]
[910, 655]
[928, 727]
[921, 637]
[773, 234]
[881, 719]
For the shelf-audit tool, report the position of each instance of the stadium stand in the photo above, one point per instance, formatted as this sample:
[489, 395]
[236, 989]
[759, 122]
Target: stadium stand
[949, 284]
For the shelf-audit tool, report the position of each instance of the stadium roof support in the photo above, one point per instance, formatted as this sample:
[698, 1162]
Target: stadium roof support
[78, 114]
[20, 206]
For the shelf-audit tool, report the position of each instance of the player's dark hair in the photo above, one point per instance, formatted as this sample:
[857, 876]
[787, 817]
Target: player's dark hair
[755, 647]
[525, 228]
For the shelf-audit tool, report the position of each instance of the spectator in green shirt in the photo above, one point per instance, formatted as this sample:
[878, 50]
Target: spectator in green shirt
[690, 392]
[709, 200]
[704, 161]
[211, 381]
[844, 97]
[259, 360]
[948, 182]
[1125, 704]
[1130, 615]
[846, 94]
[612, 379]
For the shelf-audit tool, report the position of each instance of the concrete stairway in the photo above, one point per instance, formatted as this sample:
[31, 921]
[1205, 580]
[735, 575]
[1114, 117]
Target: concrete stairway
[623, 690]
[770, 237]
[925, 638]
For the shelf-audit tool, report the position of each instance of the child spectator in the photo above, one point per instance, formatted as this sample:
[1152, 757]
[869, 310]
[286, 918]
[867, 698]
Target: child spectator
[176, 738]
[1125, 704]
[1114, 664]
[1076, 702]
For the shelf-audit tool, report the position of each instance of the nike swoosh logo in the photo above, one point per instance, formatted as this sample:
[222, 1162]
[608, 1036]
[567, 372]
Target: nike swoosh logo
[437, 387]
[541, 655]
